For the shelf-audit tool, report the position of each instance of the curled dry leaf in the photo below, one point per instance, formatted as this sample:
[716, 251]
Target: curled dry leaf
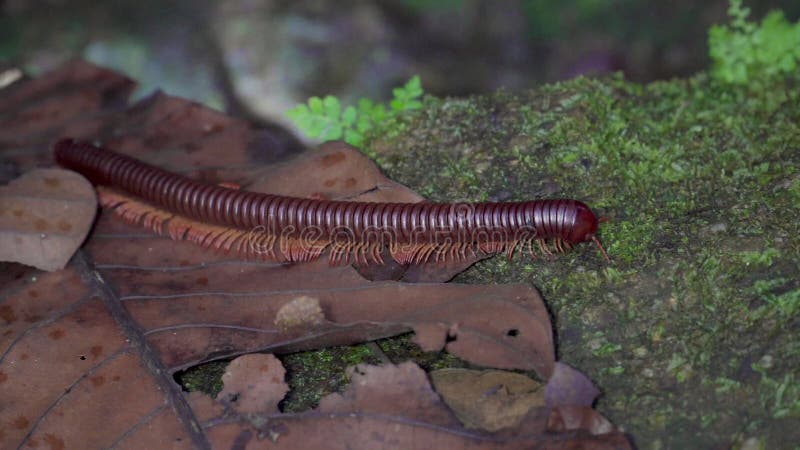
[44, 217]
[383, 406]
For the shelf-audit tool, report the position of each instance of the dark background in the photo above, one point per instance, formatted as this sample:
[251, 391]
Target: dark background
[260, 57]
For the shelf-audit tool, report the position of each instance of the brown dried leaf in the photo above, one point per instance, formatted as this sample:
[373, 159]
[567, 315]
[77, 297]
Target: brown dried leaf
[254, 383]
[44, 217]
[36, 111]
[65, 365]
[568, 386]
[488, 399]
[335, 170]
[194, 306]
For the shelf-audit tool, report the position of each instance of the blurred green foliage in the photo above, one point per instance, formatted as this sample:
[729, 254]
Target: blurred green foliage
[439, 5]
[325, 119]
[743, 52]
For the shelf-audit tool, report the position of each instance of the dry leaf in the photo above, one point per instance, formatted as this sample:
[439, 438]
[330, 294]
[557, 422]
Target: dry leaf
[488, 399]
[576, 417]
[568, 386]
[36, 111]
[254, 383]
[44, 217]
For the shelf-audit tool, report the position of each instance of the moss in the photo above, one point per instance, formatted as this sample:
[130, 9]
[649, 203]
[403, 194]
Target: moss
[206, 378]
[700, 184]
[314, 374]
[402, 348]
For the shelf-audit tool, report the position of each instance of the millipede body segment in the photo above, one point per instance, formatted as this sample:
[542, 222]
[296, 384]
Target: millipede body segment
[299, 229]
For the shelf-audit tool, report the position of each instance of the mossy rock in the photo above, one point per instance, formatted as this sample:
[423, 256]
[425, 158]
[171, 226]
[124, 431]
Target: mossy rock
[692, 329]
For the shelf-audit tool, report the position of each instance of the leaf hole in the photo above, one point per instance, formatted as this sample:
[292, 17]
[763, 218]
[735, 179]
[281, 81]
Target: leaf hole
[512, 332]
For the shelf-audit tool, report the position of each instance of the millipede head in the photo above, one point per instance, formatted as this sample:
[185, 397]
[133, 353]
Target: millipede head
[585, 228]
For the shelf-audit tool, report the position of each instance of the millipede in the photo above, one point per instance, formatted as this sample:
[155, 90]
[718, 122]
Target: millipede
[294, 229]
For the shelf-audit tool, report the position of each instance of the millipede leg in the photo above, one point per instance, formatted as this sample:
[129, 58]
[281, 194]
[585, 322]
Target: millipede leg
[543, 247]
[531, 250]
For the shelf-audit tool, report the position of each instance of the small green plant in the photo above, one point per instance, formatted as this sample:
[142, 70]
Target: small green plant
[325, 119]
[743, 51]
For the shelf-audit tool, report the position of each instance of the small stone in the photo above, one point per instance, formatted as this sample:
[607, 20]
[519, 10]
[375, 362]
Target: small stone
[718, 228]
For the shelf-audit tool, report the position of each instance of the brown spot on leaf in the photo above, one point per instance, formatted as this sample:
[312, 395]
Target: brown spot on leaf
[21, 423]
[40, 225]
[3, 377]
[202, 281]
[55, 442]
[96, 350]
[56, 334]
[330, 182]
[115, 378]
[33, 318]
[52, 182]
[7, 314]
[350, 182]
[332, 159]
[98, 380]
[18, 212]
[24, 356]
[64, 226]
[33, 293]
